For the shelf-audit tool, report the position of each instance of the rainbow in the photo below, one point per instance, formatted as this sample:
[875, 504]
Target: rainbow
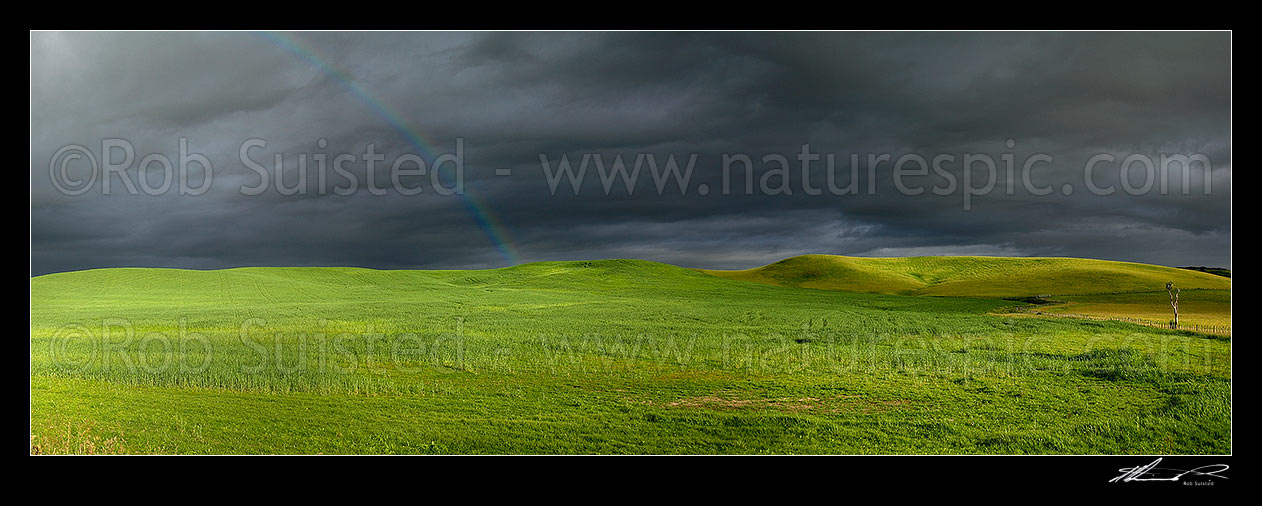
[480, 212]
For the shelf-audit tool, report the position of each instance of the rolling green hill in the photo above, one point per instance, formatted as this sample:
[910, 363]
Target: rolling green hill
[591, 291]
[609, 356]
[972, 276]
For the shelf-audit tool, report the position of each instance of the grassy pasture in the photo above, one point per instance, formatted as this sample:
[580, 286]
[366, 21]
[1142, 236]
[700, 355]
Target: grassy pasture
[1197, 307]
[613, 356]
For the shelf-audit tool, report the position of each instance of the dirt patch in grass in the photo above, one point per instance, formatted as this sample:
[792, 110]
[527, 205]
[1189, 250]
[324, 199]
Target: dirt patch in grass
[715, 402]
[839, 404]
[70, 438]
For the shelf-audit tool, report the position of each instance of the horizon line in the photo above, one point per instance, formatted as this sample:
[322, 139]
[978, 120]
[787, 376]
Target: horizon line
[1190, 267]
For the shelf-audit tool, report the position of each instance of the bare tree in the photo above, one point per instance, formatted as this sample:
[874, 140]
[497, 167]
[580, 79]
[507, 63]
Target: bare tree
[1174, 303]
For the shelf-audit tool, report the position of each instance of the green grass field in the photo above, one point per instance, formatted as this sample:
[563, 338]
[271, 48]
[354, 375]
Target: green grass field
[618, 356]
[1196, 307]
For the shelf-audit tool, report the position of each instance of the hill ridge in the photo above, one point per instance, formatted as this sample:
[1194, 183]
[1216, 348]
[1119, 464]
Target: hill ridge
[976, 276]
[966, 276]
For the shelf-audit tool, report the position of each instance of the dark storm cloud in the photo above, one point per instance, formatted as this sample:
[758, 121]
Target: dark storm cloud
[514, 96]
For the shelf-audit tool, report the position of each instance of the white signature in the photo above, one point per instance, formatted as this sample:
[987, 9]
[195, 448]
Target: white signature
[1151, 472]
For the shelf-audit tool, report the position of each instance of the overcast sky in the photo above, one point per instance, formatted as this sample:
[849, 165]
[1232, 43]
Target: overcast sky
[512, 97]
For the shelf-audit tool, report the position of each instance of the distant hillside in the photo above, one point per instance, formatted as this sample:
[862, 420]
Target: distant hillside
[949, 276]
[268, 284]
[1217, 271]
[972, 276]
[519, 300]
